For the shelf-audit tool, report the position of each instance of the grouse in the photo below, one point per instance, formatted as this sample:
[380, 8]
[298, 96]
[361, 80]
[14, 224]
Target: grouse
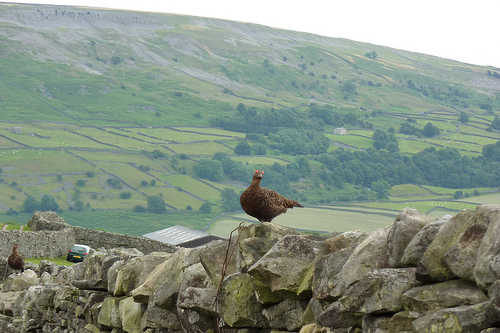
[15, 260]
[262, 203]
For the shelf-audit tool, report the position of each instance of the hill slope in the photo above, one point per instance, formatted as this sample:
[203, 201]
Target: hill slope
[103, 95]
[82, 64]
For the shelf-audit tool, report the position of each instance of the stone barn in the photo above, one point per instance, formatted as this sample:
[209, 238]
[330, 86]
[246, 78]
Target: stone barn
[340, 131]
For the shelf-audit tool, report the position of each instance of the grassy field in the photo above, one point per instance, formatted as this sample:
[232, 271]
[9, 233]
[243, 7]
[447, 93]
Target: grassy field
[323, 220]
[67, 167]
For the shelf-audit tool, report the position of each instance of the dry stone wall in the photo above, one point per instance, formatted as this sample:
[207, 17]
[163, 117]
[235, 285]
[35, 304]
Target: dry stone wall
[52, 237]
[417, 275]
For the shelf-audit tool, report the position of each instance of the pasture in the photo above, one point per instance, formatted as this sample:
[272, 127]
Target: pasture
[76, 162]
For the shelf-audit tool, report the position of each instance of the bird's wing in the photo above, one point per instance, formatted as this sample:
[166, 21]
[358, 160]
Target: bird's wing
[273, 198]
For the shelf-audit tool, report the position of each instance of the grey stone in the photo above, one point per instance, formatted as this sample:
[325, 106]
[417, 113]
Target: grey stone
[458, 319]
[265, 230]
[110, 314]
[375, 323]
[134, 272]
[238, 305]
[461, 255]
[370, 254]
[215, 256]
[417, 246]
[131, 314]
[406, 225]
[432, 267]
[251, 250]
[442, 295]
[402, 322]
[8, 300]
[487, 269]
[379, 291]
[167, 284]
[20, 281]
[332, 256]
[286, 315]
[288, 266]
[335, 317]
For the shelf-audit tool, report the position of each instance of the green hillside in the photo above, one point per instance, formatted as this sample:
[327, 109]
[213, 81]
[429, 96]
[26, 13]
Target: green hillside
[102, 110]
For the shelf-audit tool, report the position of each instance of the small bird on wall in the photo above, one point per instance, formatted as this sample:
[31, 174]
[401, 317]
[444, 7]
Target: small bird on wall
[262, 203]
[15, 260]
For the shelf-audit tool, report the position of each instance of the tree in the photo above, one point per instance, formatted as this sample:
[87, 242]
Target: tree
[156, 205]
[206, 207]
[349, 87]
[30, 205]
[144, 183]
[158, 154]
[114, 183]
[125, 195]
[492, 151]
[78, 205]
[48, 202]
[464, 118]
[139, 209]
[495, 124]
[259, 149]
[81, 182]
[242, 148]
[230, 200]
[430, 130]
[381, 187]
[380, 139]
[407, 128]
[209, 169]
[371, 55]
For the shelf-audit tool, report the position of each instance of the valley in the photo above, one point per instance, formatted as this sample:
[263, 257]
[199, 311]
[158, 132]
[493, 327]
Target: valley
[103, 109]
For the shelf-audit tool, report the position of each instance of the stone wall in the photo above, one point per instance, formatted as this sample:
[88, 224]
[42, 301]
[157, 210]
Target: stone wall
[417, 275]
[52, 237]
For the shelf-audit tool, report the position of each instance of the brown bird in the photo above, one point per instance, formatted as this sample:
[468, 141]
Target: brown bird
[262, 203]
[15, 260]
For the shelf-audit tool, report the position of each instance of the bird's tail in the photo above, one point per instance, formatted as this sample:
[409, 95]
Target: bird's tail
[298, 205]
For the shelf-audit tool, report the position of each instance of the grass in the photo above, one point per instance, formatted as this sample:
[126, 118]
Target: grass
[14, 225]
[352, 140]
[338, 218]
[135, 224]
[407, 189]
[58, 260]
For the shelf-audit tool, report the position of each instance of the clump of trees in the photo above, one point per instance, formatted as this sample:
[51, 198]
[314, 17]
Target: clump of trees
[443, 168]
[156, 204]
[429, 130]
[230, 200]
[495, 124]
[288, 130]
[383, 140]
[371, 55]
[47, 203]
[114, 183]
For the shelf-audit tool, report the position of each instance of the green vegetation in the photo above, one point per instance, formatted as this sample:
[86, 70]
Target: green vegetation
[59, 260]
[139, 133]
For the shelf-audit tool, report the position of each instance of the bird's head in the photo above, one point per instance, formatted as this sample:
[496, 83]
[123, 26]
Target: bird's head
[15, 247]
[258, 174]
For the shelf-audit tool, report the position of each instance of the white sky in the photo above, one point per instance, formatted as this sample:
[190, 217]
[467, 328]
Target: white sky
[463, 30]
